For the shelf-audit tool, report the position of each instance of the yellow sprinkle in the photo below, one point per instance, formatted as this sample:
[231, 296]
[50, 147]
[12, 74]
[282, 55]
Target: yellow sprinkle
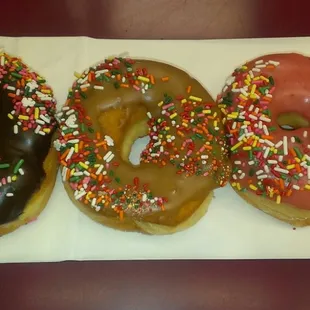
[88, 194]
[234, 85]
[244, 139]
[256, 78]
[23, 117]
[253, 89]
[233, 184]
[160, 103]
[10, 116]
[77, 75]
[47, 130]
[246, 123]
[247, 148]
[206, 111]
[83, 165]
[264, 79]
[289, 167]
[143, 79]
[304, 158]
[183, 100]
[76, 148]
[253, 96]
[72, 172]
[214, 114]
[168, 136]
[195, 98]
[246, 82]
[184, 124]
[243, 97]
[297, 160]
[215, 124]
[275, 151]
[167, 128]
[238, 186]
[160, 136]
[173, 115]
[14, 178]
[253, 187]
[278, 199]
[36, 113]
[236, 145]
[244, 67]
[192, 114]
[232, 115]
[307, 186]
[248, 77]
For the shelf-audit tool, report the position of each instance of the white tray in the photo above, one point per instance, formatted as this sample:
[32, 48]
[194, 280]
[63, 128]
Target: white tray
[231, 229]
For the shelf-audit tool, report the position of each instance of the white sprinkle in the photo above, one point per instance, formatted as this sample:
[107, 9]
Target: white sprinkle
[99, 87]
[253, 117]
[70, 112]
[28, 102]
[86, 173]
[261, 66]
[9, 179]
[85, 86]
[21, 171]
[78, 173]
[266, 152]
[110, 158]
[99, 170]
[237, 162]
[285, 147]
[256, 69]
[272, 161]
[46, 98]
[293, 140]
[269, 142]
[260, 61]
[75, 133]
[79, 195]
[45, 119]
[93, 202]
[234, 177]
[280, 158]
[251, 162]
[243, 92]
[266, 132]
[15, 129]
[259, 172]
[149, 115]
[265, 119]
[9, 195]
[278, 144]
[74, 141]
[275, 63]
[262, 176]
[42, 133]
[142, 90]
[69, 155]
[242, 176]
[11, 88]
[266, 168]
[296, 187]
[65, 108]
[107, 155]
[285, 171]
[204, 156]
[241, 137]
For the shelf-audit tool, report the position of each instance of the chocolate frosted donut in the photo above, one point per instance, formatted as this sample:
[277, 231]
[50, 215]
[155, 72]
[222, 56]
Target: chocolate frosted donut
[27, 161]
[111, 105]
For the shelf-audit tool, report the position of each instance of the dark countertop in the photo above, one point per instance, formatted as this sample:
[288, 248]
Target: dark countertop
[148, 285]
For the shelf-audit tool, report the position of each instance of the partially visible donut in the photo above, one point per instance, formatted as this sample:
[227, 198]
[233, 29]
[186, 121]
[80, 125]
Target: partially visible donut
[266, 103]
[28, 162]
[119, 100]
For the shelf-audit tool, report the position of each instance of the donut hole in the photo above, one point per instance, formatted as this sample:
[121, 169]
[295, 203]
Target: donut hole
[137, 148]
[292, 121]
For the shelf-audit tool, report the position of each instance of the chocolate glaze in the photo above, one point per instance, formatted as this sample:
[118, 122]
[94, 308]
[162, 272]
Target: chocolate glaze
[30, 147]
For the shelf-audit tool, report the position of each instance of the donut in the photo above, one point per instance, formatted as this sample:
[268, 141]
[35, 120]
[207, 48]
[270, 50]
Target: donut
[265, 103]
[28, 161]
[109, 107]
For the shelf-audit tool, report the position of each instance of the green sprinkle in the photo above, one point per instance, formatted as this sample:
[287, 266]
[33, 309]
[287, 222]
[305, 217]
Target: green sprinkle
[91, 130]
[297, 139]
[252, 172]
[4, 166]
[17, 75]
[271, 80]
[198, 135]
[18, 165]
[75, 179]
[111, 173]
[298, 152]
[83, 95]
[118, 180]
[116, 85]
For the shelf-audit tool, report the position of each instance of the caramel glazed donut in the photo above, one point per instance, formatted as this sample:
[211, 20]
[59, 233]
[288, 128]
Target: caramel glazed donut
[266, 107]
[28, 162]
[110, 106]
